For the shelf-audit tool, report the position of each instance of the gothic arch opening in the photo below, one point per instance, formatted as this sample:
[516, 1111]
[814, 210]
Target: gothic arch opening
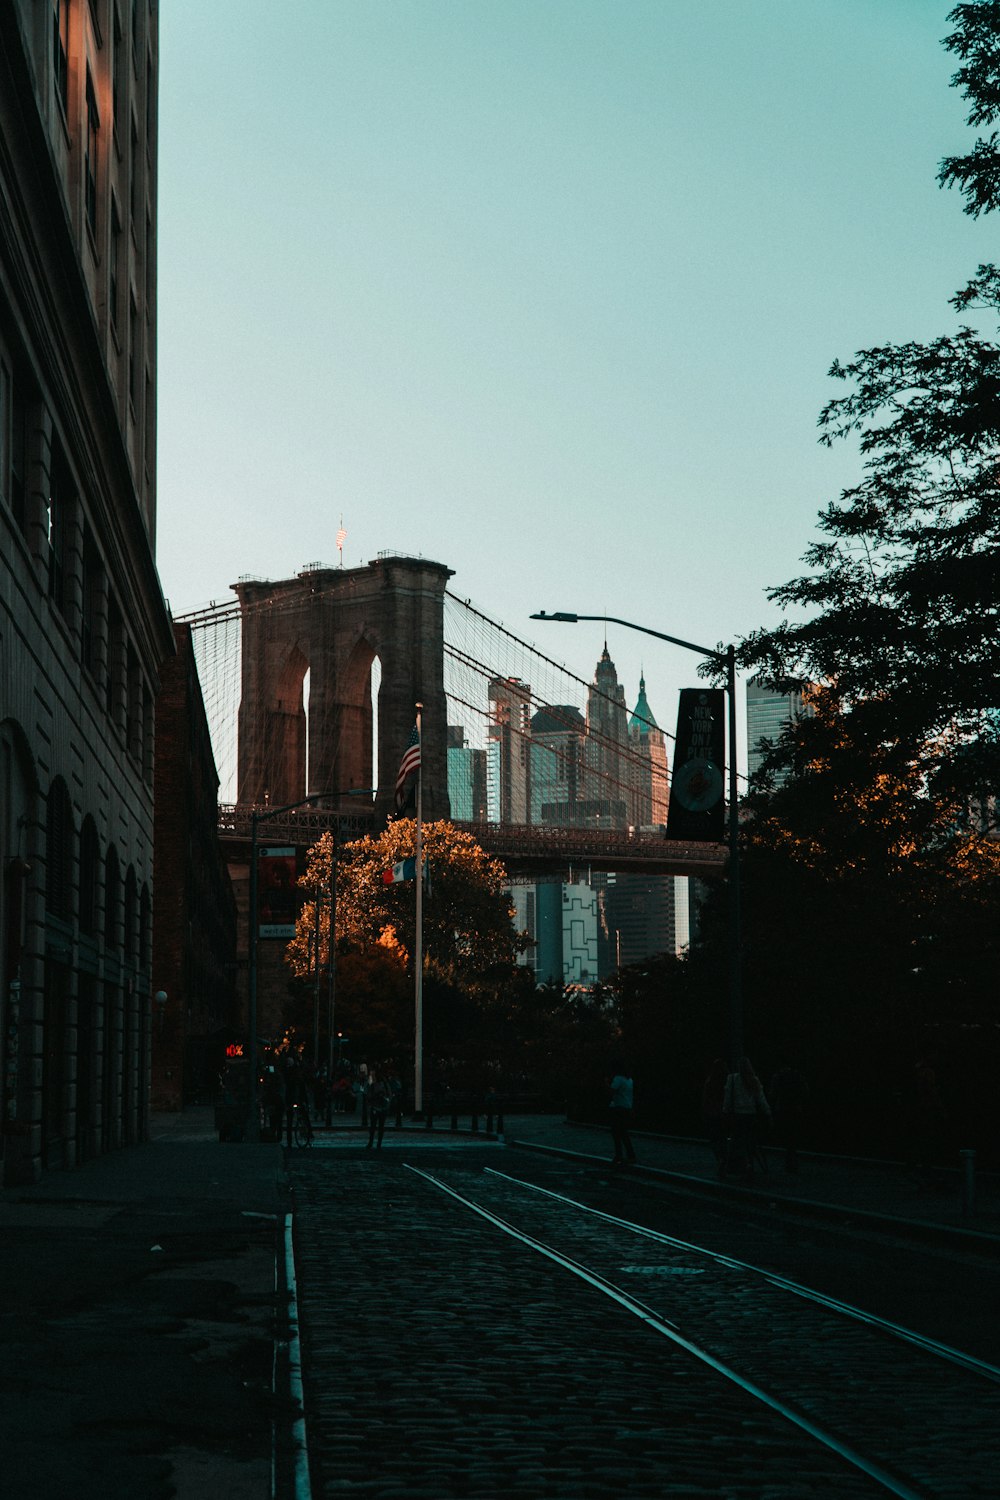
[356, 719]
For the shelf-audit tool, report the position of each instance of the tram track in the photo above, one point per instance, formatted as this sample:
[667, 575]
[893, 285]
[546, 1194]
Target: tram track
[870, 1391]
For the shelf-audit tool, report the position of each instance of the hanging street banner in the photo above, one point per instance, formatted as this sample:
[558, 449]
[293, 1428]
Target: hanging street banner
[278, 894]
[696, 813]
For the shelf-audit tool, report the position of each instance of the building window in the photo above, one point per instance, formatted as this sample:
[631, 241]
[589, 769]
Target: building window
[116, 663]
[148, 267]
[133, 172]
[147, 735]
[90, 165]
[115, 263]
[59, 852]
[89, 866]
[149, 419]
[5, 432]
[130, 913]
[133, 703]
[112, 901]
[57, 517]
[90, 602]
[116, 72]
[149, 101]
[145, 925]
[133, 351]
[60, 52]
[19, 455]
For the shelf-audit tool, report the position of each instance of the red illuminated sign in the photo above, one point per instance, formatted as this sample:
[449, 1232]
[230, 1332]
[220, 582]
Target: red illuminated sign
[234, 1049]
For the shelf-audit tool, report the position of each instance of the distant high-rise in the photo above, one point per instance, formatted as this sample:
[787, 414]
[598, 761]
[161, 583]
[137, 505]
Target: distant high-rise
[466, 778]
[558, 737]
[508, 747]
[768, 715]
[607, 748]
[649, 764]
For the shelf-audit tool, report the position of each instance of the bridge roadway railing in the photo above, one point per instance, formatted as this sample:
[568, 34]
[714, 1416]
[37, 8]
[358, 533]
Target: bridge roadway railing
[303, 825]
[546, 849]
[525, 849]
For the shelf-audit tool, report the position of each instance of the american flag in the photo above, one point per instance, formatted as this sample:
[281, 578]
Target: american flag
[409, 764]
[341, 538]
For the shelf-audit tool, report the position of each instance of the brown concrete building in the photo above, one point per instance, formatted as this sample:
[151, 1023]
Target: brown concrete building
[194, 914]
[83, 626]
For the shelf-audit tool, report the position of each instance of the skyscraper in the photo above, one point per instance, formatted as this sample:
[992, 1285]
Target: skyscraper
[768, 715]
[507, 753]
[606, 754]
[649, 764]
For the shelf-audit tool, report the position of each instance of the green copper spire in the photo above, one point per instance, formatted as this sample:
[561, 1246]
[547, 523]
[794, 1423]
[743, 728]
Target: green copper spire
[642, 715]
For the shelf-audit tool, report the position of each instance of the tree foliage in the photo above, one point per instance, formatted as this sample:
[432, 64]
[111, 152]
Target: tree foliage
[900, 608]
[469, 936]
[976, 40]
[469, 940]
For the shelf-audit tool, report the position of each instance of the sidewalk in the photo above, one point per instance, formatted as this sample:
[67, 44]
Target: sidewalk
[137, 1332]
[876, 1192]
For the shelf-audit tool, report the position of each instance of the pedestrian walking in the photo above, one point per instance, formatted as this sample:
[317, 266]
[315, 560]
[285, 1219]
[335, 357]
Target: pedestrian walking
[787, 1098]
[745, 1105]
[620, 1112]
[713, 1111]
[296, 1098]
[378, 1107]
[396, 1099]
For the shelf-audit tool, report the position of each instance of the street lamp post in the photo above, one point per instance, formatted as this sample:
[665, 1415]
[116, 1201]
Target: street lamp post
[728, 659]
[256, 817]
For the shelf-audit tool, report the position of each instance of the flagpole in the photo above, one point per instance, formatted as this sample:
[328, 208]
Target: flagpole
[418, 956]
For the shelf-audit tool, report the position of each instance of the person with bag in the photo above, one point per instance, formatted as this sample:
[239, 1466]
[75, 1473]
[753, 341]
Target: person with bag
[378, 1106]
[744, 1104]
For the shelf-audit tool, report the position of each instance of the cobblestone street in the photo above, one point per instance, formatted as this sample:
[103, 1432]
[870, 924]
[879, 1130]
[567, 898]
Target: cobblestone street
[442, 1358]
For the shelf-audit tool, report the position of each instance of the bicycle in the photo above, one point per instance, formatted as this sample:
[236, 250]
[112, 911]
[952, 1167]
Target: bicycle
[302, 1131]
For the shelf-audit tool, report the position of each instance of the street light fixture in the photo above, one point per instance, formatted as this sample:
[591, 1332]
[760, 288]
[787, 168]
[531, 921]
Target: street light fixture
[258, 816]
[726, 658]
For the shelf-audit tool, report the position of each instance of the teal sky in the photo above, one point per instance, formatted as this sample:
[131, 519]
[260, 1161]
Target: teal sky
[544, 291]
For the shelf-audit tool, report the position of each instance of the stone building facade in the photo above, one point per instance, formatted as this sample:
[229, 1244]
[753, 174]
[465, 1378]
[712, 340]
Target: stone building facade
[83, 625]
[194, 915]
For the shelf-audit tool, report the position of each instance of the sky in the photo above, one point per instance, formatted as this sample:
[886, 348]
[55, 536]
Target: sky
[545, 290]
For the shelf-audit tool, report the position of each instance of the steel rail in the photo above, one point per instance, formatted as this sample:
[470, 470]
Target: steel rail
[889, 1482]
[857, 1314]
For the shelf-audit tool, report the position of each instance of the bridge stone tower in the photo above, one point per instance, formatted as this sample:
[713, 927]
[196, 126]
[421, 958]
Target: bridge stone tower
[333, 622]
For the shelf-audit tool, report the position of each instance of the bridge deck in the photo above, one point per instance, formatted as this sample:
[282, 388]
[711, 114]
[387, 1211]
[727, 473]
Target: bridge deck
[526, 851]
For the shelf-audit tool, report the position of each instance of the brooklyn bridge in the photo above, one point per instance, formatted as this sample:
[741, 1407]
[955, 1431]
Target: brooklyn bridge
[310, 686]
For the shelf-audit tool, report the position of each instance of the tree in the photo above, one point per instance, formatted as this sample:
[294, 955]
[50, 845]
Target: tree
[469, 939]
[904, 595]
[469, 936]
[903, 600]
[870, 835]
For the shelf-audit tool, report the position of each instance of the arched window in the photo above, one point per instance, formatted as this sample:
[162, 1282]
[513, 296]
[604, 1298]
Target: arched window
[59, 852]
[112, 902]
[130, 913]
[145, 933]
[89, 861]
